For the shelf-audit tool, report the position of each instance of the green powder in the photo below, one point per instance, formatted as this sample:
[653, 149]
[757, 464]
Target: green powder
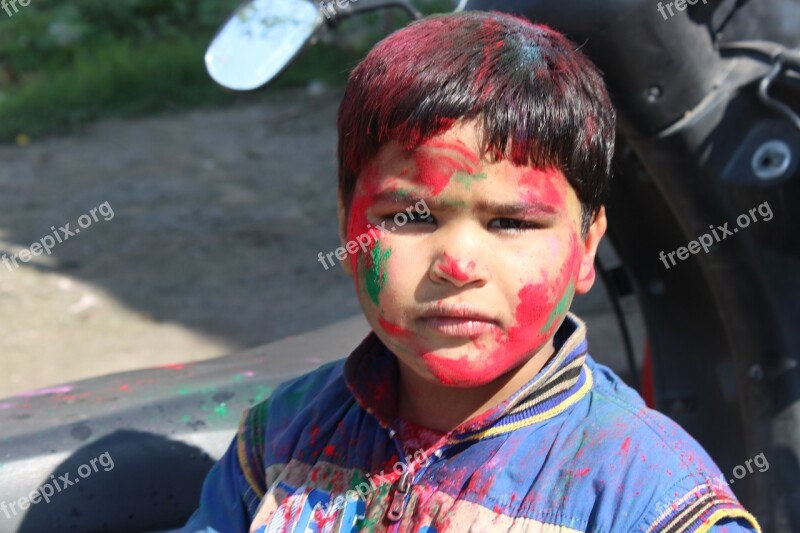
[561, 308]
[467, 179]
[375, 272]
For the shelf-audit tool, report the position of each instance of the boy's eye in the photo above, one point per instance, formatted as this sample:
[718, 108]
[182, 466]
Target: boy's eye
[513, 224]
[414, 218]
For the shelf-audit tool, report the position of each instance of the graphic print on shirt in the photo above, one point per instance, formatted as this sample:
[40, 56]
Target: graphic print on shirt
[304, 509]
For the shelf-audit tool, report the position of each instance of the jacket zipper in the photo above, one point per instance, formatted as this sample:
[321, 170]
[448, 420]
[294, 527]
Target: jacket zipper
[402, 489]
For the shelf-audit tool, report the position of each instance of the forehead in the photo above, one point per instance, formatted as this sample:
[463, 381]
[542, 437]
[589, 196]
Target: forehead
[454, 163]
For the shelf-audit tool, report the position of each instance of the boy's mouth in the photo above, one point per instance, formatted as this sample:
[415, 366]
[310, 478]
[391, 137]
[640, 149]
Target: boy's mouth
[460, 320]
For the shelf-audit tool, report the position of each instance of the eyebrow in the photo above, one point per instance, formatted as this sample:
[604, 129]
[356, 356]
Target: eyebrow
[394, 197]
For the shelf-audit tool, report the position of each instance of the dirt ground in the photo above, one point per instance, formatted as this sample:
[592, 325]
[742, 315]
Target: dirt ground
[218, 217]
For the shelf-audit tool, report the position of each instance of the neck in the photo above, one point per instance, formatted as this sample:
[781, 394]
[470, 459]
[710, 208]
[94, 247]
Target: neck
[432, 405]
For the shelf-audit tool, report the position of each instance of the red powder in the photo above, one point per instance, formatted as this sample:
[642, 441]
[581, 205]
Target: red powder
[434, 170]
[546, 186]
[626, 445]
[393, 329]
[458, 146]
[452, 269]
[357, 223]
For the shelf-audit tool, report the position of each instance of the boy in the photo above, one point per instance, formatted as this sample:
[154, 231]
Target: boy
[473, 405]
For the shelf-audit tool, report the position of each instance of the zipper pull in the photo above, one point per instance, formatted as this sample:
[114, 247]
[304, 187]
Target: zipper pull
[398, 505]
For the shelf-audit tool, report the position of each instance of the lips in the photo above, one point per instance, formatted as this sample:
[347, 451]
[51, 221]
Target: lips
[464, 311]
[461, 320]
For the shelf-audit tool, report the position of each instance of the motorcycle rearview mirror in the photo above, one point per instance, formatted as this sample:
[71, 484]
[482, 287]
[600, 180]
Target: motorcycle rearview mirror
[263, 36]
[259, 40]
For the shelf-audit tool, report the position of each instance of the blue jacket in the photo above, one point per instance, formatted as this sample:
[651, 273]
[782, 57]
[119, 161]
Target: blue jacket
[575, 449]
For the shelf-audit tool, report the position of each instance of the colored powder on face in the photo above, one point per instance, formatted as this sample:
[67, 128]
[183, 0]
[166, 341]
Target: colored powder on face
[457, 146]
[357, 223]
[536, 316]
[453, 203]
[452, 269]
[401, 339]
[435, 170]
[547, 186]
[375, 271]
[560, 308]
[467, 179]
[393, 329]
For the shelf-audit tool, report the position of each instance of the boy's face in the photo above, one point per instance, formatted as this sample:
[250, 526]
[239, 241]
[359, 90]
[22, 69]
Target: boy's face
[480, 286]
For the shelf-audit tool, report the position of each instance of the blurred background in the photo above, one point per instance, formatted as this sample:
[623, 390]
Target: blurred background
[221, 201]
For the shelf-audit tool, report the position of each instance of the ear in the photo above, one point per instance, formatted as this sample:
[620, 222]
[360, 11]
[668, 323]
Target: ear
[342, 214]
[596, 231]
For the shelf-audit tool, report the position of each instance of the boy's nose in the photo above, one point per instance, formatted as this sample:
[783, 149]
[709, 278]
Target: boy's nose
[458, 271]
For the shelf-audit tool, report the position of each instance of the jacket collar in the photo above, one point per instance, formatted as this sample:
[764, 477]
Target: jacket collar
[371, 373]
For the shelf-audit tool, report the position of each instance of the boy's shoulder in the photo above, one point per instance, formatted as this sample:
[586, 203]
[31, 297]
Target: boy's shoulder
[615, 423]
[618, 413]
[644, 468]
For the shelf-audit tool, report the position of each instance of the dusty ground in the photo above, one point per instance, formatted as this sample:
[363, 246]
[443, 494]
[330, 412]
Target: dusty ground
[218, 217]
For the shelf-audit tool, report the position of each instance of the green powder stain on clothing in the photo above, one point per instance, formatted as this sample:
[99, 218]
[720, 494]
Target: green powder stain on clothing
[377, 511]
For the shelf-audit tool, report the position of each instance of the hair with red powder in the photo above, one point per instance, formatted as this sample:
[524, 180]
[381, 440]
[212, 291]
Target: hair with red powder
[538, 100]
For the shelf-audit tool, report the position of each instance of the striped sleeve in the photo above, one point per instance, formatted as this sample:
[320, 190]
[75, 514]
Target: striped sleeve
[234, 487]
[706, 507]
[250, 448]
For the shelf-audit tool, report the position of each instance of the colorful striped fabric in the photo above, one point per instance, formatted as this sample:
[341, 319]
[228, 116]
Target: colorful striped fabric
[575, 449]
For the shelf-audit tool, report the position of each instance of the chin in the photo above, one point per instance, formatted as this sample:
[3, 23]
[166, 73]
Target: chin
[458, 372]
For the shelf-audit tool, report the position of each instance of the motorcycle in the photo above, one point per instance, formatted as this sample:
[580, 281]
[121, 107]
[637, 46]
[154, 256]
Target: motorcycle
[707, 95]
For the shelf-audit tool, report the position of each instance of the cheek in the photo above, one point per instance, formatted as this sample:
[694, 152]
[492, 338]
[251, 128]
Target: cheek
[541, 303]
[373, 270]
[358, 228]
